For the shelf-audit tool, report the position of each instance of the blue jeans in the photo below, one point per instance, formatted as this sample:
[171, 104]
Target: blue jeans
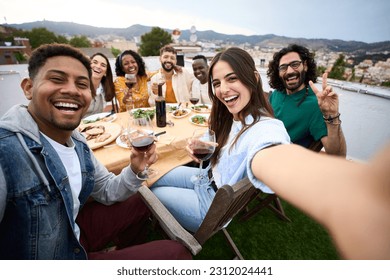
[187, 200]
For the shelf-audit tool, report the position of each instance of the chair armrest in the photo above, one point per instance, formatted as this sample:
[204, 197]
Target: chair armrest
[168, 223]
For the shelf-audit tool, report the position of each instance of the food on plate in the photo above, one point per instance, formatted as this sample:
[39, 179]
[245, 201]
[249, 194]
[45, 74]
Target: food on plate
[198, 119]
[96, 132]
[102, 137]
[142, 113]
[201, 108]
[125, 139]
[180, 113]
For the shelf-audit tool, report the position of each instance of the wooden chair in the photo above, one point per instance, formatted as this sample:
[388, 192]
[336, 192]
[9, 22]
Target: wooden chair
[228, 201]
[272, 201]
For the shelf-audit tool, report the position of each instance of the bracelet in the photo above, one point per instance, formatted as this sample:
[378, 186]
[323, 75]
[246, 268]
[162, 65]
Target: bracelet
[331, 119]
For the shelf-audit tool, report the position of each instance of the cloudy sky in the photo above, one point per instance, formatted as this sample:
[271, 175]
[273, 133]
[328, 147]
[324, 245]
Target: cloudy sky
[359, 20]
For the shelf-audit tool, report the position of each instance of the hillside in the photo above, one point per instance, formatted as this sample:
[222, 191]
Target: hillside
[72, 29]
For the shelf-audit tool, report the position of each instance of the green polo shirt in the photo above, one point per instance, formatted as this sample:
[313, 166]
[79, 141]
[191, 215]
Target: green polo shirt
[304, 123]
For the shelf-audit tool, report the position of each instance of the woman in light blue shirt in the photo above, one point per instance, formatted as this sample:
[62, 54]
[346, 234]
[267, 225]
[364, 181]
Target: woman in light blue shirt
[243, 123]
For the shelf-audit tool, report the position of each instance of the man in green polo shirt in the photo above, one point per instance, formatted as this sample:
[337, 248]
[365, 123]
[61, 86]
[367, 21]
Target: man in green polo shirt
[300, 105]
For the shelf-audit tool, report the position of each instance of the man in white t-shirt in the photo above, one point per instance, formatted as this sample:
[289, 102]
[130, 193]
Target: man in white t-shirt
[57, 201]
[200, 86]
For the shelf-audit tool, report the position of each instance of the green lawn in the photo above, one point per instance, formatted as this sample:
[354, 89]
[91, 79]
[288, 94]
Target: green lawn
[266, 237]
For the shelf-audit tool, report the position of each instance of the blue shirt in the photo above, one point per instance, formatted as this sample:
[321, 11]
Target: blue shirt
[235, 163]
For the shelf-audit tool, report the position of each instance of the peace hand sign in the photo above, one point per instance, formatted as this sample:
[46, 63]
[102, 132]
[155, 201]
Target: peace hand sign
[328, 100]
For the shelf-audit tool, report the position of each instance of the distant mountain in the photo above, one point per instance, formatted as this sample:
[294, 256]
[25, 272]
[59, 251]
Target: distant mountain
[72, 29]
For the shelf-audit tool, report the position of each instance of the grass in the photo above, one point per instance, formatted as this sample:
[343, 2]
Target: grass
[266, 237]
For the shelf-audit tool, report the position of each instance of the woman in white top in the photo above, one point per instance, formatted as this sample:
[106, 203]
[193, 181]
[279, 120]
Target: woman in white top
[244, 125]
[103, 84]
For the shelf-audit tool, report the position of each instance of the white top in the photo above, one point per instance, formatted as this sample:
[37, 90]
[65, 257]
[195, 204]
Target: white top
[235, 161]
[201, 91]
[71, 162]
[181, 84]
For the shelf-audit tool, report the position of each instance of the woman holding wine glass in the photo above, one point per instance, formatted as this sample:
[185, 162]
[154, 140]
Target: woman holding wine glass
[243, 123]
[131, 63]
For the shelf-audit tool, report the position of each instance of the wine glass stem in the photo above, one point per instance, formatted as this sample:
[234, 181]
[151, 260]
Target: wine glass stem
[146, 165]
[200, 169]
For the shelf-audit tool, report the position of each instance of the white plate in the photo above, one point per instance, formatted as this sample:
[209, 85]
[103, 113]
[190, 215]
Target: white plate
[187, 111]
[121, 143]
[197, 109]
[113, 129]
[98, 117]
[206, 116]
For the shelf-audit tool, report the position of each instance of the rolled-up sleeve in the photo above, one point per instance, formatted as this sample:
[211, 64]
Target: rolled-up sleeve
[273, 133]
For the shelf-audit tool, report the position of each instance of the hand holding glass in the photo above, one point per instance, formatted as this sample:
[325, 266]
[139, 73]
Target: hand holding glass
[130, 80]
[141, 137]
[203, 145]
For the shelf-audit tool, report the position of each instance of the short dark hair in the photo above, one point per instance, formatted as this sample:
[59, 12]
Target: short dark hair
[306, 56]
[168, 48]
[200, 56]
[140, 62]
[40, 55]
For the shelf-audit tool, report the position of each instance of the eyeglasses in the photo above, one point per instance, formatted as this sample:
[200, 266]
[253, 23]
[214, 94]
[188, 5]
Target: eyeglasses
[294, 65]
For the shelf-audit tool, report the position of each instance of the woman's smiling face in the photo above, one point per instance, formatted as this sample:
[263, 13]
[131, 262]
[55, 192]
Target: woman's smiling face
[129, 64]
[229, 89]
[99, 66]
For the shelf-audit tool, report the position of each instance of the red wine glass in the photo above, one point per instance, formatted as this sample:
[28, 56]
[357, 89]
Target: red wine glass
[141, 137]
[203, 145]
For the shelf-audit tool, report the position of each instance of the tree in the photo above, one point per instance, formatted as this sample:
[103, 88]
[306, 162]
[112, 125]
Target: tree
[62, 39]
[40, 36]
[321, 70]
[80, 42]
[152, 41]
[338, 69]
[115, 52]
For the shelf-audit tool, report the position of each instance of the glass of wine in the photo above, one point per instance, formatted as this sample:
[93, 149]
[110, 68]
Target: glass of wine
[130, 80]
[141, 137]
[194, 100]
[203, 145]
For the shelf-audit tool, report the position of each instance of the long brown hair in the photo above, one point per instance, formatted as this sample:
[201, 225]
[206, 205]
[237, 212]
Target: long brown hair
[221, 119]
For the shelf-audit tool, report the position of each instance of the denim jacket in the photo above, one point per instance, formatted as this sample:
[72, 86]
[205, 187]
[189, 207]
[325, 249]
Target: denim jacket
[36, 204]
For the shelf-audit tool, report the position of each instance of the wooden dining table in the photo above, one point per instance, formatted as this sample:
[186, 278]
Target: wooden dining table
[170, 146]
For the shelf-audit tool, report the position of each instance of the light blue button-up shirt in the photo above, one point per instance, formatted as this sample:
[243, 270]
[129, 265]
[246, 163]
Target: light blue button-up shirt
[235, 162]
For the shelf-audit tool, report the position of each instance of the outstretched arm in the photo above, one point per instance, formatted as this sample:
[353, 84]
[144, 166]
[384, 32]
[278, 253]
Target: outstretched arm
[352, 200]
[328, 102]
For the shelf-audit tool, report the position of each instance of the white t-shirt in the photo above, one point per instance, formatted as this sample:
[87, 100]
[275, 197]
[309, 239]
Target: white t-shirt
[71, 162]
[202, 91]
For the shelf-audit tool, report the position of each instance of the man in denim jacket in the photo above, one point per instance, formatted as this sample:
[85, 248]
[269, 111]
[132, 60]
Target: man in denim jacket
[47, 174]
